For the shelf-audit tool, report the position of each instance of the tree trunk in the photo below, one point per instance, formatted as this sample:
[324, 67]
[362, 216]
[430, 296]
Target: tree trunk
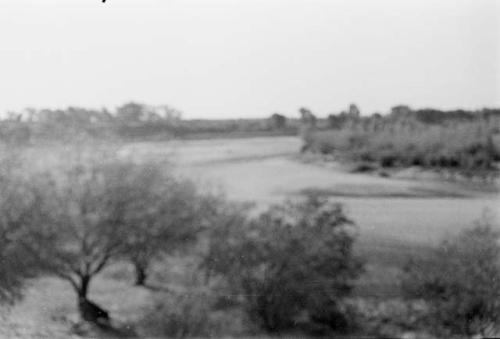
[89, 311]
[140, 274]
[83, 288]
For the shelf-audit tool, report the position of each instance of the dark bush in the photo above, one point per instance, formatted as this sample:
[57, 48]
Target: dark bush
[460, 282]
[291, 262]
[388, 160]
[363, 168]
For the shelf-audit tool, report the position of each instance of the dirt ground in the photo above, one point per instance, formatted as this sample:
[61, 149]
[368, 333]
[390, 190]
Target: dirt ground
[269, 170]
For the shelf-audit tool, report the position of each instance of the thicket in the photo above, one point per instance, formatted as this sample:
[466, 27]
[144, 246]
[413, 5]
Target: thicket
[96, 209]
[460, 282]
[163, 214]
[130, 121]
[17, 201]
[293, 263]
[464, 142]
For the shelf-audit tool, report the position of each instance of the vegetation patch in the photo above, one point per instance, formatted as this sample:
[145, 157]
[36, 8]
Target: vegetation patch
[466, 143]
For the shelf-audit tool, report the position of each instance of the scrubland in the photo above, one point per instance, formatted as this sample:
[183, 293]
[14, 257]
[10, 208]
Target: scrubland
[141, 224]
[397, 218]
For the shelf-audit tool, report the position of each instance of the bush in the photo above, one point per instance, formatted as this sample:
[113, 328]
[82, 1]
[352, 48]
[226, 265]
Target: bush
[466, 146]
[190, 314]
[460, 282]
[18, 204]
[293, 261]
[164, 214]
[179, 316]
[391, 317]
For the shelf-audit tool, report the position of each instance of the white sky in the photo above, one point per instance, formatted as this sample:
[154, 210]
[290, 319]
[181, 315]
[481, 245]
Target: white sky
[250, 58]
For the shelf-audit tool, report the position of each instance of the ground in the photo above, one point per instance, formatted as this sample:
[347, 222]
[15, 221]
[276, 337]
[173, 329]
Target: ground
[397, 218]
[268, 170]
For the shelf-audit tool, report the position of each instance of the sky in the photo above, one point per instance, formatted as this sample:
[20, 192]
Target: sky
[250, 58]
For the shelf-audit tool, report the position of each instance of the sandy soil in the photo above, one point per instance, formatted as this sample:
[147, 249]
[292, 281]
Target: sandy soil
[268, 170]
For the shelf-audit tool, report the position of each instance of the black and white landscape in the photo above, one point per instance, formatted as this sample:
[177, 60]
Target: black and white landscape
[249, 169]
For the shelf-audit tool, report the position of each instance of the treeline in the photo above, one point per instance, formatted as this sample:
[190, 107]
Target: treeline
[466, 141]
[131, 121]
[289, 269]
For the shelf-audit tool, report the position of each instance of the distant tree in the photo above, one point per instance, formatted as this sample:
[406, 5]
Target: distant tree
[79, 116]
[308, 124]
[131, 112]
[169, 114]
[51, 117]
[307, 117]
[135, 112]
[336, 121]
[401, 112]
[277, 121]
[354, 112]
[104, 115]
[13, 116]
[30, 114]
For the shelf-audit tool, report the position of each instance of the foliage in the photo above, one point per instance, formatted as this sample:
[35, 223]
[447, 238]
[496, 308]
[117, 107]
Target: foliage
[277, 121]
[190, 314]
[98, 208]
[465, 146]
[129, 121]
[186, 306]
[179, 316]
[162, 214]
[79, 228]
[460, 282]
[88, 215]
[291, 259]
[18, 204]
[391, 317]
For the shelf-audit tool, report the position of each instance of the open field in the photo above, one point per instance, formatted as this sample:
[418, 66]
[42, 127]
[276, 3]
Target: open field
[397, 218]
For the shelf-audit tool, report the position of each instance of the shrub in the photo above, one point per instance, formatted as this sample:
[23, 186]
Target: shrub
[163, 214]
[18, 203]
[466, 146]
[179, 316]
[391, 317]
[460, 281]
[277, 121]
[294, 259]
[191, 313]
